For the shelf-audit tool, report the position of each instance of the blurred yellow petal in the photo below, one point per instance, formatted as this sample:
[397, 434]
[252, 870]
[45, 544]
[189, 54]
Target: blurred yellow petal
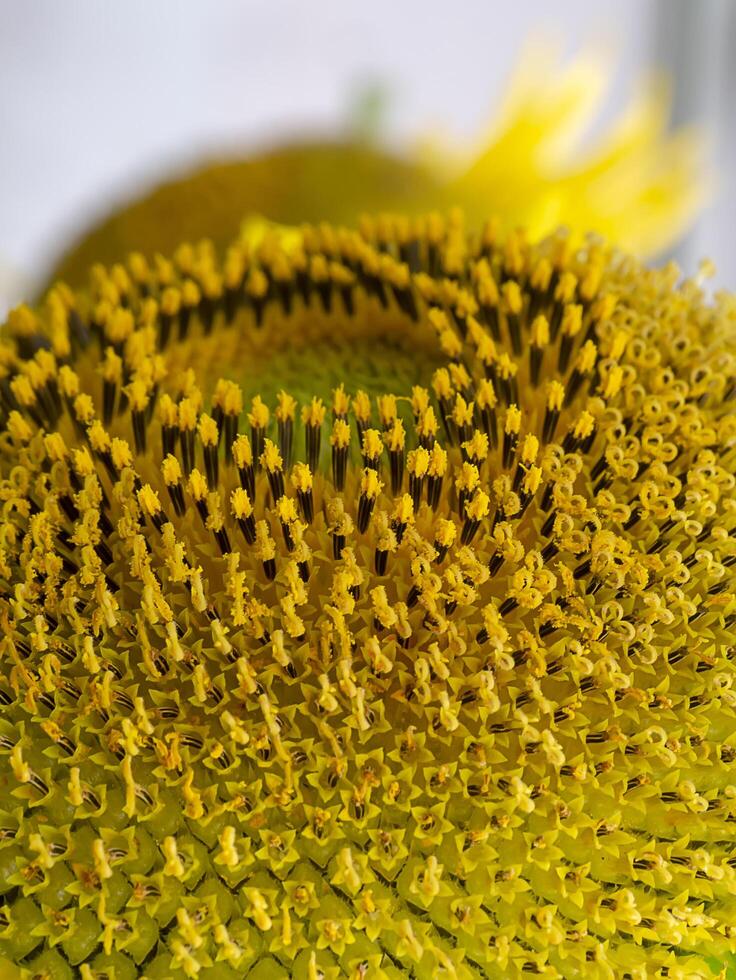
[545, 112]
[638, 185]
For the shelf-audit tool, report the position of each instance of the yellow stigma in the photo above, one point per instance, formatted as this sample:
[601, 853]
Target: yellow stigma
[259, 414]
[271, 457]
[370, 485]
[242, 452]
[286, 407]
[314, 413]
[420, 674]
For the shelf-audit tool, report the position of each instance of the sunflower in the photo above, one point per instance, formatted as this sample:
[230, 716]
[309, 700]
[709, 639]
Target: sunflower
[427, 671]
[536, 166]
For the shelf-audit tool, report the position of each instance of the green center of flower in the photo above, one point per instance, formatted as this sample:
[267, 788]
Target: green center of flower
[380, 365]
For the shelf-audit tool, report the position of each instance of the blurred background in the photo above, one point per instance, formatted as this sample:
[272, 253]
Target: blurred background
[99, 102]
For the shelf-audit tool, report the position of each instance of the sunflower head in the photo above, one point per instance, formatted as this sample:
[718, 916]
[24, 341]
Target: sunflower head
[366, 607]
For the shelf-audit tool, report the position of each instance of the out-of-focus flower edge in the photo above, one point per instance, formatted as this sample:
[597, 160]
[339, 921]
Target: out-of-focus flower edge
[637, 184]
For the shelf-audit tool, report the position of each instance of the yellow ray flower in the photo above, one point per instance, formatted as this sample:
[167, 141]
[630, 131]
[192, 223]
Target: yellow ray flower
[638, 185]
[428, 674]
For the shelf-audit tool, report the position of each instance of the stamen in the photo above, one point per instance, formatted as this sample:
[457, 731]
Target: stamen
[386, 543]
[243, 512]
[511, 435]
[190, 299]
[198, 490]
[256, 290]
[273, 464]
[387, 411]
[507, 387]
[572, 322]
[443, 392]
[137, 394]
[340, 524]
[285, 412]
[187, 425]
[313, 416]
[258, 418]
[403, 516]
[475, 449]
[243, 457]
[512, 308]
[419, 401]
[340, 404]
[287, 515]
[564, 293]
[209, 436]
[462, 419]
[372, 449]
[340, 442]
[475, 510]
[265, 549]
[486, 407]
[227, 402]
[168, 414]
[445, 535]
[363, 414]
[539, 283]
[395, 440]
[370, 487]
[426, 427]
[112, 375]
[216, 523]
[301, 479]
[529, 449]
[584, 365]
[488, 299]
[555, 400]
[436, 469]
[417, 464]
[171, 471]
[466, 484]
[578, 432]
[540, 339]
[169, 309]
